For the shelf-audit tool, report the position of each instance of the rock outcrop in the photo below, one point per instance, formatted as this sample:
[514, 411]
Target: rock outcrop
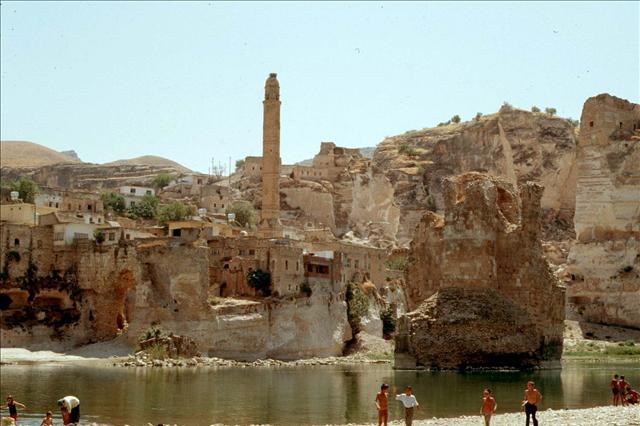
[478, 273]
[604, 263]
[518, 145]
[62, 297]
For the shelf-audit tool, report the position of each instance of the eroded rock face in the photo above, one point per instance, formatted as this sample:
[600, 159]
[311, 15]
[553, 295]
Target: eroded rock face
[487, 244]
[518, 145]
[604, 263]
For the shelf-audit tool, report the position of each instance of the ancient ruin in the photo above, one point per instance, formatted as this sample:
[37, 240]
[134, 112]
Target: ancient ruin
[604, 263]
[479, 290]
[270, 213]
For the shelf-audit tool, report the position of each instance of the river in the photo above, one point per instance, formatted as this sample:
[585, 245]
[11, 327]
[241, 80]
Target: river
[287, 395]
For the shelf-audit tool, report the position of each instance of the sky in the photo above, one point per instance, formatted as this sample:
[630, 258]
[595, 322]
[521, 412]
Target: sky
[185, 81]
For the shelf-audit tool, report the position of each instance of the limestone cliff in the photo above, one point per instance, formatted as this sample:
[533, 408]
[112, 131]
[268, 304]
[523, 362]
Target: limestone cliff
[481, 261]
[517, 145]
[604, 263]
[62, 297]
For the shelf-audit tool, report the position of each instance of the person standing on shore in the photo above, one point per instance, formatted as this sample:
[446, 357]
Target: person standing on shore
[409, 402]
[70, 410]
[489, 406]
[11, 404]
[382, 404]
[532, 398]
[615, 390]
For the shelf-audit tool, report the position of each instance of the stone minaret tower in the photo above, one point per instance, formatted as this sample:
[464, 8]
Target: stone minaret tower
[270, 226]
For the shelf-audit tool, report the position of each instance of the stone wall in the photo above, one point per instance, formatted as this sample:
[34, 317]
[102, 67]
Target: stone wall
[488, 242]
[604, 263]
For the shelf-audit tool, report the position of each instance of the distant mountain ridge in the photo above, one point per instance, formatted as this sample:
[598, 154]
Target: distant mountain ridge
[25, 154]
[28, 154]
[149, 160]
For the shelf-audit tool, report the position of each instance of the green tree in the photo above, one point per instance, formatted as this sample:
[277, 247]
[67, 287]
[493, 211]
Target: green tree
[535, 109]
[239, 164]
[357, 306]
[455, 119]
[261, 281]
[174, 211]
[27, 188]
[388, 317]
[113, 201]
[244, 211]
[574, 123]
[550, 111]
[478, 115]
[161, 180]
[147, 207]
[99, 236]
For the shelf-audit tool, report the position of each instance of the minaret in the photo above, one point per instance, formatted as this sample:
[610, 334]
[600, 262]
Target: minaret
[270, 226]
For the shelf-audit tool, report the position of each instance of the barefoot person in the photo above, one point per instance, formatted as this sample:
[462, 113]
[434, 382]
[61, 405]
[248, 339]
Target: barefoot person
[48, 419]
[70, 410]
[12, 405]
[489, 406]
[409, 402]
[532, 398]
[615, 390]
[382, 404]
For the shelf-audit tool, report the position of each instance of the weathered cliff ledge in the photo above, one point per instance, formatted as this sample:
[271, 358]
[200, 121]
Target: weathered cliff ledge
[62, 298]
[481, 291]
[604, 262]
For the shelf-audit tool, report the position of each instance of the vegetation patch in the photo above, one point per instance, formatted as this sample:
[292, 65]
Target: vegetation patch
[261, 281]
[357, 306]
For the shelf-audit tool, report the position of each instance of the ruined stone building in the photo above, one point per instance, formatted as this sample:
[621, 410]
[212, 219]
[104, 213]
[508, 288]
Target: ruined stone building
[479, 289]
[604, 263]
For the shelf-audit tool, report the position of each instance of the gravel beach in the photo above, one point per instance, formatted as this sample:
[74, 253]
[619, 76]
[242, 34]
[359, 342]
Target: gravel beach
[599, 416]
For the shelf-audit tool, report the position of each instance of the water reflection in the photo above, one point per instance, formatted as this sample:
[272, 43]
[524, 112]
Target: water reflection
[287, 396]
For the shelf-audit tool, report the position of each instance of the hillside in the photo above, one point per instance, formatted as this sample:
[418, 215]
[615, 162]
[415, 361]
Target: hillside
[28, 154]
[149, 160]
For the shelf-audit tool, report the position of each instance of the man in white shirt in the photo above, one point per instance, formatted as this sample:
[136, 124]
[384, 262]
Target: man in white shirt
[410, 402]
[70, 409]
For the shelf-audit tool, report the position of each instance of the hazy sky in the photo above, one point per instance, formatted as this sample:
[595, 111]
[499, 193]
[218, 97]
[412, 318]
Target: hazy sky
[186, 80]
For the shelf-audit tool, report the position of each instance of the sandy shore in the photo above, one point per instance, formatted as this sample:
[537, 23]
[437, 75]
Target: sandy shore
[599, 416]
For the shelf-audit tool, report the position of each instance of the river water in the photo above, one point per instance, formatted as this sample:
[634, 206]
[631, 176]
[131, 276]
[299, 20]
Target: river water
[288, 395]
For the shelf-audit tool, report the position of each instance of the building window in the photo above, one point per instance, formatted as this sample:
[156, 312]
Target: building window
[199, 181]
[297, 265]
[112, 236]
[127, 237]
[286, 265]
[252, 252]
[133, 203]
[223, 206]
[58, 236]
[132, 191]
[591, 124]
[148, 192]
[176, 233]
[16, 242]
[621, 124]
[56, 205]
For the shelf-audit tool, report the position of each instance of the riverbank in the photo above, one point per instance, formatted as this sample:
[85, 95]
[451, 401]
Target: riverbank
[598, 416]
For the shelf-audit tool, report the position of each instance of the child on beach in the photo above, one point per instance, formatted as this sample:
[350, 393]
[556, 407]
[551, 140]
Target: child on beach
[532, 398]
[382, 404]
[489, 406]
[622, 388]
[48, 419]
[615, 390]
[409, 402]
[11, 404]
